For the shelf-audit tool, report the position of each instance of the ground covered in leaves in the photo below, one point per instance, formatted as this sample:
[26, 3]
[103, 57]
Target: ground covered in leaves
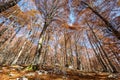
[52, 73]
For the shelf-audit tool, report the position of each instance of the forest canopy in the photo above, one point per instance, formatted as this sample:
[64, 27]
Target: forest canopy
[84, 34]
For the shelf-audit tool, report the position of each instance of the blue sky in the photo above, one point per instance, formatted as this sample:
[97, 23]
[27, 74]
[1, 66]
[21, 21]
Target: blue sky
[72, 16]
[26, 5]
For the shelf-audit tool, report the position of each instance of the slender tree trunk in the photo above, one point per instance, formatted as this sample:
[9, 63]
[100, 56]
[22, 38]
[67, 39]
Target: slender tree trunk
[103, 51]
[116, 56]
[65, 49]
[97, 56]
[21, 49]
[77, 57]
[109, 25]
[71, 55]
[46, 50]
[88, 57]
[19, 54]
[38, 49]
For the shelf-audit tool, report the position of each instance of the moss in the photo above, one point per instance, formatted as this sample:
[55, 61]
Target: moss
[32, 67]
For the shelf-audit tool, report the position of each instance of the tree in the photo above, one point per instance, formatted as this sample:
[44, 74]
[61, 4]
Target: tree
[7, 4]
[49, 10]
[110, 27]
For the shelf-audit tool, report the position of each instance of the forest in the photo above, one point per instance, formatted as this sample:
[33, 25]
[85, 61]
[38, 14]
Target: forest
[59, 40]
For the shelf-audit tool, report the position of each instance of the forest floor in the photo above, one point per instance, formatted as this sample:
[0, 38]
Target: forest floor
[52, 73]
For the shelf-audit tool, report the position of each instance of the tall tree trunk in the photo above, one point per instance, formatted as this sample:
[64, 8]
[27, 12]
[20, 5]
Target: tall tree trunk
[71, 55]
[108, 24]
[46, 50]
[8, 4]
[90, 66]
[65, 50]
[39, 46]
[19, 54]
[77, 57]
[76, 52]
[39, 49]
[102, 50]
[21, 49]
[97, 55]
[116, 54]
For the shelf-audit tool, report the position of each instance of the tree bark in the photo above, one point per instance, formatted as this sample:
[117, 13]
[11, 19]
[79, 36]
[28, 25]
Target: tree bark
[110, 27]
[97, 56]
[8, 4]
[103, 52]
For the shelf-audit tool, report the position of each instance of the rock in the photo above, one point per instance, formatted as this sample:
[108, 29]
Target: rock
[112, 76]
[39, 72]
[23, 78]
[45, 72]
[70, 67]
[57, 64]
